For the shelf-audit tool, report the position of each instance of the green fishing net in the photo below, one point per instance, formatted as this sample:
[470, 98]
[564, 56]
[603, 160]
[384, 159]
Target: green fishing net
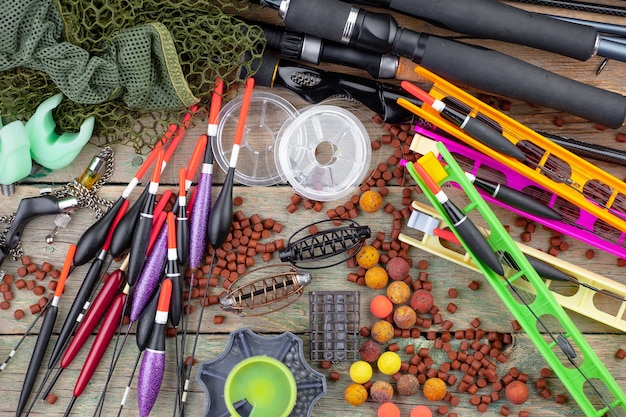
[136, 65]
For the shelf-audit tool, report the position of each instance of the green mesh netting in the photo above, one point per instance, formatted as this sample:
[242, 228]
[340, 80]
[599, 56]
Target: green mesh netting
[133, 64]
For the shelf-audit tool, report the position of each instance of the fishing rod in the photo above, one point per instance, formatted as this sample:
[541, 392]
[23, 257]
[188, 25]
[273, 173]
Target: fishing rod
[581, 6]
[492, 19]
[469, 65]
[300, 46]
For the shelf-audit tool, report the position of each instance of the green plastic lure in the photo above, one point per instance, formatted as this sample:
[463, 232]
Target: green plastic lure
[566, 351]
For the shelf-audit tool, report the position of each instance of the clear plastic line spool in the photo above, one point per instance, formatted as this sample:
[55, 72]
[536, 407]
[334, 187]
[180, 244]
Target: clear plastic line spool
[324, 153]
[267, 115]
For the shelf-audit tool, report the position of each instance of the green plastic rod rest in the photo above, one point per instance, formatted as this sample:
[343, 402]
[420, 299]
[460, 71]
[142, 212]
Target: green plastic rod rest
[15, 162]
[47, 147]
[576, 375]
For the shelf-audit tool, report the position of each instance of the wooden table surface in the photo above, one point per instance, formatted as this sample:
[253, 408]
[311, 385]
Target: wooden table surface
[271, 202]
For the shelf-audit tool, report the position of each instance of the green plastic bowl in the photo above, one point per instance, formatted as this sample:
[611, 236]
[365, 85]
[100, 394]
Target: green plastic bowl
[265, 383]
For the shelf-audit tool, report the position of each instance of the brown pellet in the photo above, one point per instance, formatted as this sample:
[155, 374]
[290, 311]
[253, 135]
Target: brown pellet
[473, 285]
[42, 301]
[504, 411]
[31, 268]
[21, 271]
[620, 354]
[34, 309]
[452, 308]
[364, 331]
[558, 121]
[531, 227]
[334, 376]
[560, 399]
[39, 290]
[516, 326]
[218, 319]
[590, 254]
[18, 314]
[621, 137]
[495, 396]
[8, 279]
[51, 398]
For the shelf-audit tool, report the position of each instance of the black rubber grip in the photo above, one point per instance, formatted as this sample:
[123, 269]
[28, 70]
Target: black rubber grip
[322, 18]
[345, 55]
[503, 75]
[494, 20]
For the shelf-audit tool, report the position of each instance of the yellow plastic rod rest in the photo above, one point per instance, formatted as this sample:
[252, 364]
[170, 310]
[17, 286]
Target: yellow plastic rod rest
[48, 148]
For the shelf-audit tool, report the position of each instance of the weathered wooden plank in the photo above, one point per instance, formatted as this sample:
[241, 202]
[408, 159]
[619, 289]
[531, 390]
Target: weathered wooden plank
[522, 356]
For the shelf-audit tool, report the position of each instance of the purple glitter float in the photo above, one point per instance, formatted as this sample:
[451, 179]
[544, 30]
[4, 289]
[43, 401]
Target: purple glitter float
[200, 218]
[150, 379]
[150, 276]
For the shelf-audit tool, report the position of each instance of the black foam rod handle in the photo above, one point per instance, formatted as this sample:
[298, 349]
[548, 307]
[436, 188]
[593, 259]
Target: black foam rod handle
[322, 18]
[492, 19]
[510, 77]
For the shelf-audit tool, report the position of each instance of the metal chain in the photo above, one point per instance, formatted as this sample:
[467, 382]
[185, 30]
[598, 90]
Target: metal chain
[87, 198]
[18, 250]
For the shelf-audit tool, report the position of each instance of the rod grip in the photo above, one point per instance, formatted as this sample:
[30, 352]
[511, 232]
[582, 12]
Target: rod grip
[501, 74]
[494, 20]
